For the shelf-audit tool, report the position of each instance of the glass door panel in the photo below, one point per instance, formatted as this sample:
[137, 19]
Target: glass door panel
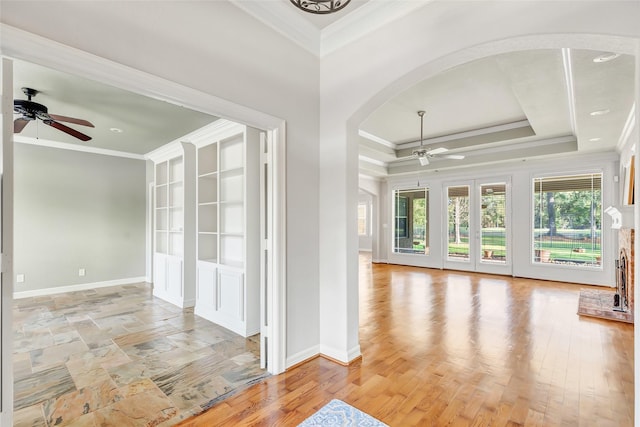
[493, 231]
[458, 223]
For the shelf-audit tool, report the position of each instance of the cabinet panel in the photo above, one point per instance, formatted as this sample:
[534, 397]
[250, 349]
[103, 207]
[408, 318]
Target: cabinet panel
[231, 293]
[206, 286]
[174, 277]
[159, 274]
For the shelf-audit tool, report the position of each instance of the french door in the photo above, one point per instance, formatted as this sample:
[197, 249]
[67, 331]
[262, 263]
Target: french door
[478, 235]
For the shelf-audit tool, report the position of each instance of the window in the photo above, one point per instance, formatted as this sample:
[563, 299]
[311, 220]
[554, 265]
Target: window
[567, 220]
[411, 213]
[363, 229]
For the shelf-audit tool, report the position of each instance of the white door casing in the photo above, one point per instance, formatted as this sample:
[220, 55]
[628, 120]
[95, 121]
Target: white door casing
[6, 237]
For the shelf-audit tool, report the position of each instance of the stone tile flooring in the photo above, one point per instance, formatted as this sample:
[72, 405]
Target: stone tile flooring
[118, 356]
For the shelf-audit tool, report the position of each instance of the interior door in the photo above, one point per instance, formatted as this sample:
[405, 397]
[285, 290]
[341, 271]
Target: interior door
[478, 226]
[6, 239]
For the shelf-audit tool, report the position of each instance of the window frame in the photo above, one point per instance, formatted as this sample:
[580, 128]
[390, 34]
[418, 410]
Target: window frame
[533, 226]
[407, 225]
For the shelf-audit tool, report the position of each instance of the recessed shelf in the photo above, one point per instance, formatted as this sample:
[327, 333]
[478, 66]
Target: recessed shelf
[208, 175]
[232, 171]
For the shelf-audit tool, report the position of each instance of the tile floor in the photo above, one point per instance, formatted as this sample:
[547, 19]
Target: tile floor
[118, 356]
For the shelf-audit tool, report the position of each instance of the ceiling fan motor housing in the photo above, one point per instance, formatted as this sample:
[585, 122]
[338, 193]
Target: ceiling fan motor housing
[30, 110]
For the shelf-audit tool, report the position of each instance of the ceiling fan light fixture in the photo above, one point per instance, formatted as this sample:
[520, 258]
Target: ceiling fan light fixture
[320, 7]
[424, 160]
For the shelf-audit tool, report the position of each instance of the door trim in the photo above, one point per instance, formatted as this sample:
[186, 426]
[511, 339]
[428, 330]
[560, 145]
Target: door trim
[475, 263]
[6, 236]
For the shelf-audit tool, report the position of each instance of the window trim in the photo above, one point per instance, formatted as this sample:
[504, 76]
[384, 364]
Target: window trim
[532, 226]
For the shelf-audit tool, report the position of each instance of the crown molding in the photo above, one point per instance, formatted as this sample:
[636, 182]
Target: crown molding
[363, 20]
[466, 134]
[285, 19]
[377, 139]
[76, 147]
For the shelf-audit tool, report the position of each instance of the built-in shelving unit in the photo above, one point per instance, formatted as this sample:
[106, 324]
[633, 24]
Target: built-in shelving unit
[207, 225]
[169, 203]
[227, 236]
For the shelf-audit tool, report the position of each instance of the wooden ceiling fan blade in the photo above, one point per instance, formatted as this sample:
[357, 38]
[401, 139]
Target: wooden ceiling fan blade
[19, 124]
[73, 120]
[67, 129]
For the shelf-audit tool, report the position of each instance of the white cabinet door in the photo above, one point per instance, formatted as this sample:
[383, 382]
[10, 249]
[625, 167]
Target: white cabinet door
[206, 296]
[159, 274]
[231, 294]
[174, 277]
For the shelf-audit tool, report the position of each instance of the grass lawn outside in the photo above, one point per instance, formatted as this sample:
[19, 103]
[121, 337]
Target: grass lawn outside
[567, 247]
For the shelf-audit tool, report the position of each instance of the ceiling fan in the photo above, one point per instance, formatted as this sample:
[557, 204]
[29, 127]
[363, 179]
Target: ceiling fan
[30, 111]
[424, 154]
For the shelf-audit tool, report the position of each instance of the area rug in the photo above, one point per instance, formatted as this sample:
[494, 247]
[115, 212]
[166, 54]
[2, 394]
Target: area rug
[337, 413]
[600, 304]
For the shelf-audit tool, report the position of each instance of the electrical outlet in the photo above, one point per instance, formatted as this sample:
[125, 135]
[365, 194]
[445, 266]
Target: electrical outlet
[81, 272]
[20, 278]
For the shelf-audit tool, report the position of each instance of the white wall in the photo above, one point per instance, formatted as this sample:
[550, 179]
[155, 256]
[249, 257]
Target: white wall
[77, 210]
[397, 56]
[217, 49]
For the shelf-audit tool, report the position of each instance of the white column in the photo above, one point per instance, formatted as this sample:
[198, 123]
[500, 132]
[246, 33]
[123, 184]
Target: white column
[338, 244]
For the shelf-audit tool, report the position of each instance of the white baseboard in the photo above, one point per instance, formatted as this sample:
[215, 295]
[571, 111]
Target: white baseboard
[340, 355]
[78, 287]
[354, 353]
[301, 356]
[380, 261]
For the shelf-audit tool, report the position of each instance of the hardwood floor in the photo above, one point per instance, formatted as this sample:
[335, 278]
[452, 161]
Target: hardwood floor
[461, 349]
